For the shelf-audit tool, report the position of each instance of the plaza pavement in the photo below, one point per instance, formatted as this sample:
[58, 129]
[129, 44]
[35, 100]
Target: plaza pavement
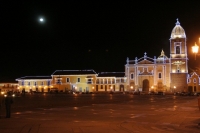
[106, 118]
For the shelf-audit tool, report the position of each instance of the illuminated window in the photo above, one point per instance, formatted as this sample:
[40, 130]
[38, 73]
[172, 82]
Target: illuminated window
[79, 80]
[68, 80]
[132, 76]
[159, 75]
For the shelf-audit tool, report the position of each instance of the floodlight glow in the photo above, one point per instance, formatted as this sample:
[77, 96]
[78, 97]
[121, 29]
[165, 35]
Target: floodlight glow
[195, 48]
[41, 19]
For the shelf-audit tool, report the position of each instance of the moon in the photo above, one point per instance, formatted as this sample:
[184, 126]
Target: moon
[41, 19]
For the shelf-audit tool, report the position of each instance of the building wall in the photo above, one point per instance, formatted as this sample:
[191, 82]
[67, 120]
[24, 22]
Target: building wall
[84, 85]
[36, 85]
[193, 82]
[152, 75]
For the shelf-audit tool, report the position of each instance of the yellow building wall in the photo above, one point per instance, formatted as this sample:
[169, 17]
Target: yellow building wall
[73, 84]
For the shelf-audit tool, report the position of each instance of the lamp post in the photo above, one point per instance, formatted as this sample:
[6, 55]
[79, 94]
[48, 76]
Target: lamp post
[195, 50]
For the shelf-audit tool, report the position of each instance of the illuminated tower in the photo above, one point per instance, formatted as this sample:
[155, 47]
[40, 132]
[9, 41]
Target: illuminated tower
[179, 58]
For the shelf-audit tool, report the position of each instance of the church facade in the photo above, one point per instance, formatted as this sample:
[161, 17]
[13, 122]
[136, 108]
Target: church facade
[162, 73]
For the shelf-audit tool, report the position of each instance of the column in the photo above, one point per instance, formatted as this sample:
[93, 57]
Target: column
[155, 75]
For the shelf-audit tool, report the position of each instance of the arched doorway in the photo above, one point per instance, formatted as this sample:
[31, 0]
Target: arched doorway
[145, 85]
[121, 88]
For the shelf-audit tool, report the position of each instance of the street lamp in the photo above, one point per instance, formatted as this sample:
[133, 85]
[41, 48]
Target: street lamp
[131, 88]
[174, 88]
[152, 88]
[195, 49]
[93, 88]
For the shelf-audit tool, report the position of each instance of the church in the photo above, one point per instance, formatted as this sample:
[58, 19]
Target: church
[162, 73]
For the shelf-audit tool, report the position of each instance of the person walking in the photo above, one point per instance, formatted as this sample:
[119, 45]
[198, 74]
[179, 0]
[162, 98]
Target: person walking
[8, 102]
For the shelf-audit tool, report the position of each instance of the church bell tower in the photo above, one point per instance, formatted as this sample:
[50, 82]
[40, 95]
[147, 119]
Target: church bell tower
[178, 59]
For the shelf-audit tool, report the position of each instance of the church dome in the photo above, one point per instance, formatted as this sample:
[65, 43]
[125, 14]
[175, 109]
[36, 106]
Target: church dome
[162, 56]
[178, 31]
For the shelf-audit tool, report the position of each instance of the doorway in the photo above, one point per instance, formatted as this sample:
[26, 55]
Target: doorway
[121, 88]
[145, 85]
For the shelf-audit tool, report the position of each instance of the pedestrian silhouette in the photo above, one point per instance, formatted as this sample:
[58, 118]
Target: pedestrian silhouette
[8, 102]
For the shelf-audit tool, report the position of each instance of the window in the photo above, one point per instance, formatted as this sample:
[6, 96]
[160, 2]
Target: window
[177, 49]
[29, 83]
[80, 89]
[79, 80]
[22, 83]
[68, 80]
[48, 82]
[89, 81]
[195, 89]
[42, 83]
[35, 83]
[132, 76]
[101, 86]
[58, 81]
[159, 75]
[194, 80]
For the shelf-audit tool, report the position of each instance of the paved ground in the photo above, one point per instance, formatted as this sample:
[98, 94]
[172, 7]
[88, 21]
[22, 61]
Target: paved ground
[104, 113]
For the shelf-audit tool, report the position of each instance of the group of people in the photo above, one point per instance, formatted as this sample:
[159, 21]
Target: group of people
[6, 100]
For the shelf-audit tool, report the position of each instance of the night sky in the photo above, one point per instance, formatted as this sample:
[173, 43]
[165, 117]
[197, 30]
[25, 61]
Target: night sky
[96, 35]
